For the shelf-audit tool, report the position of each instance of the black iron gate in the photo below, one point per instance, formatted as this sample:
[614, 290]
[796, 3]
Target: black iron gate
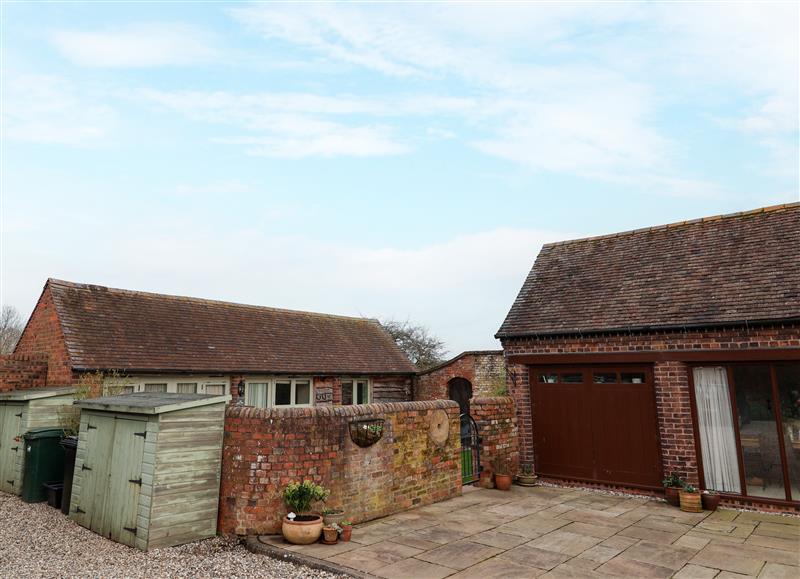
[470, 450]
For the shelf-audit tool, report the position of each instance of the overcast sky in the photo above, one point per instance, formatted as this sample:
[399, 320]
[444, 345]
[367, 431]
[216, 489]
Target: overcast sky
[384, 160]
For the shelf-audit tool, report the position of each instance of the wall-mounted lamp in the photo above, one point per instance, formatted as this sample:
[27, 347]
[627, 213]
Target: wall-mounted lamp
[240, 388]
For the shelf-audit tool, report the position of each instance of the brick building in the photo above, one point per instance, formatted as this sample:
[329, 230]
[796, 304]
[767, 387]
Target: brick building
[268, 357]
[666, 349]
[469, 375]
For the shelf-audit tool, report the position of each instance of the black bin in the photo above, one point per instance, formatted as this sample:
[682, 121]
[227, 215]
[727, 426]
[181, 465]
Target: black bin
[70, 446]
[55, 490]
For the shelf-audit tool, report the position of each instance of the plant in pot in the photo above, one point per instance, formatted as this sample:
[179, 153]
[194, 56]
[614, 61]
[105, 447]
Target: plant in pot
[502, 475]
[710, 500]
[347, 531]
[525, 477]
[332, 516]
[690, 500]
[672, 487]
[330, 534]
[299, 527]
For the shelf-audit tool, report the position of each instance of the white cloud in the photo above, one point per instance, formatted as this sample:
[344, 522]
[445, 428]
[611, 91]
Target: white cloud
[136, 46]
[52, 110]
[583, 85]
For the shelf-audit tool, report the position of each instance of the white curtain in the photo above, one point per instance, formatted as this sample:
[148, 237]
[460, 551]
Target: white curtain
[717, 436]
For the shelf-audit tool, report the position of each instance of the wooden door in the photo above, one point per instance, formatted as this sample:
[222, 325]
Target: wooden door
[125, 481]
[10, 446]
[94, 472]
[596, 424]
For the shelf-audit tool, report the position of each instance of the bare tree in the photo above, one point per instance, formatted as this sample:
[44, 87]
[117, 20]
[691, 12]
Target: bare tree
[10, 329]
[423, 348]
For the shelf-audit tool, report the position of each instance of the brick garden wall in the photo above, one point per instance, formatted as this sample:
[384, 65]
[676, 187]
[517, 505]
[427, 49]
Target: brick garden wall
[671, 379]
[496, 418]
[265, 449]
[43, 335]
[485, 370]
[18, 371]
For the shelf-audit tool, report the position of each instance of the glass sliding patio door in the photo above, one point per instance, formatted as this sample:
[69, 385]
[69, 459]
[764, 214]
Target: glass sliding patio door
[758, 431]
[748, 426]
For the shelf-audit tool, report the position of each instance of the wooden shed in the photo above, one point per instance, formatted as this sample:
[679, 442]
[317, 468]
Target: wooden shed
[147, 469]
[21, 410]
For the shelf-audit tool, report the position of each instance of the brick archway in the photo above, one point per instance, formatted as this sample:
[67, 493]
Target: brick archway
[460, 390]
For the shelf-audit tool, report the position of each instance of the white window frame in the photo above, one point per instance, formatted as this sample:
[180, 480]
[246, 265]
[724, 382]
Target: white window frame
[138, 383]
[355, 381]
[271, 387]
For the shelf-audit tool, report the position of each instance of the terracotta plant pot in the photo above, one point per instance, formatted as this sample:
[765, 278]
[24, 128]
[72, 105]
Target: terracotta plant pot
[502, 481]
[690, 502]
[526, 480]
[673, 496]
[330, 536]
[303, 532]
[334, 518]
[486, 480]
[347, 532]
[710, 502]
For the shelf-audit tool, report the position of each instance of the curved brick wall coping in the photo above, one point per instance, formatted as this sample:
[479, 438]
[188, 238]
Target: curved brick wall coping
[499, 400]
[333, 411]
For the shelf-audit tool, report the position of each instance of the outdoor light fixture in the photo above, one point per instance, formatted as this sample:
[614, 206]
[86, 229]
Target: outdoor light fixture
[240, 388]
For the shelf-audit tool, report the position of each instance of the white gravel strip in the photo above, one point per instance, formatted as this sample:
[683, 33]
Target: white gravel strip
[38, 541]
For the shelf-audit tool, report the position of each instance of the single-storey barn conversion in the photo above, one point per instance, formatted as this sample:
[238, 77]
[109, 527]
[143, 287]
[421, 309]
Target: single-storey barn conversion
[666, 349]
[264, 357]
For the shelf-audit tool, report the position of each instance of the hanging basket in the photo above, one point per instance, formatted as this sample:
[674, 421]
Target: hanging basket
[366, 432]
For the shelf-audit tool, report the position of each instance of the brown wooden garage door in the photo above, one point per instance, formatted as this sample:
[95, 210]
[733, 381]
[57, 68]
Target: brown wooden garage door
[596, 424]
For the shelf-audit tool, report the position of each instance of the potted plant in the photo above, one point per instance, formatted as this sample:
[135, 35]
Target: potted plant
[710, 500]
[347, 531]
[672, 487]
[299, 527]
[690, 500]
[502, 475]
[332, 516]
[330, 534]
[525, 477]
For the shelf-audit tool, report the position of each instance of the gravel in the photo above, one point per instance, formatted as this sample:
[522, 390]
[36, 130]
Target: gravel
[38, 541]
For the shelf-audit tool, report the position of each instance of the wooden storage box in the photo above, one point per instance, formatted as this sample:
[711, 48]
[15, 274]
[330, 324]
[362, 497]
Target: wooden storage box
[21, 410]
[147, 469]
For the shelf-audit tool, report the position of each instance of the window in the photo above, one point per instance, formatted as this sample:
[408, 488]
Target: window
[356, 392]
[633, 378]
[266, 393]
[161, 387]
[605, 377]
[215, 389]
[572, 378]
[187, 387]
[548, 378]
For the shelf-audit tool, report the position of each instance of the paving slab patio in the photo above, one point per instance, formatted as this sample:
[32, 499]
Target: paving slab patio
[564, 532]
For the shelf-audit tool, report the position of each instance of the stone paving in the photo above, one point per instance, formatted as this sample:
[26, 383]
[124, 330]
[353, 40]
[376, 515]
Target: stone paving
[562, 532]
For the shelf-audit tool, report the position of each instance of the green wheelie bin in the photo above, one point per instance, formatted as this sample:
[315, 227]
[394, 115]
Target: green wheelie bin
[44, 462]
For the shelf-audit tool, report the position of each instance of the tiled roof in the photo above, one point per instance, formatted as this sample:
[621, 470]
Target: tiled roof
[107, 328]
[729, 269]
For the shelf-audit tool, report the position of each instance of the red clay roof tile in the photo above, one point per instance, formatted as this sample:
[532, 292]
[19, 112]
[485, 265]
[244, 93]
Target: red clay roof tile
[108, 328]
[743, 267]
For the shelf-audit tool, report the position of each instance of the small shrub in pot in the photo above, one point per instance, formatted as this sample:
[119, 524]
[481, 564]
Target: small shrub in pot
[710, 500]
[299, 527]
[525, 477]
[502, 475]
[672, 487]
[347, 531]
[332, 516]
[690, 500]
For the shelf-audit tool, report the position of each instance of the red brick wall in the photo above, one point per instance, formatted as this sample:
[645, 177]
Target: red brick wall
[497, 426]
[18, 371]
[484, 370]
[43, 335]
[671, 379]
[265, 449]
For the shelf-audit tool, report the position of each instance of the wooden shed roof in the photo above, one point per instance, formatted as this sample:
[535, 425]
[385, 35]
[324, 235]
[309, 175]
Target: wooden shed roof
[150, 402]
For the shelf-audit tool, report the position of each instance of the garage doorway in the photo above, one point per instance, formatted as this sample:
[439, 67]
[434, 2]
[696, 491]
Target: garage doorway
[596, 424]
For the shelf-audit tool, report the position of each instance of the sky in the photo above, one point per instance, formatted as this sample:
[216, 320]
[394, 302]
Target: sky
[389, 160]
